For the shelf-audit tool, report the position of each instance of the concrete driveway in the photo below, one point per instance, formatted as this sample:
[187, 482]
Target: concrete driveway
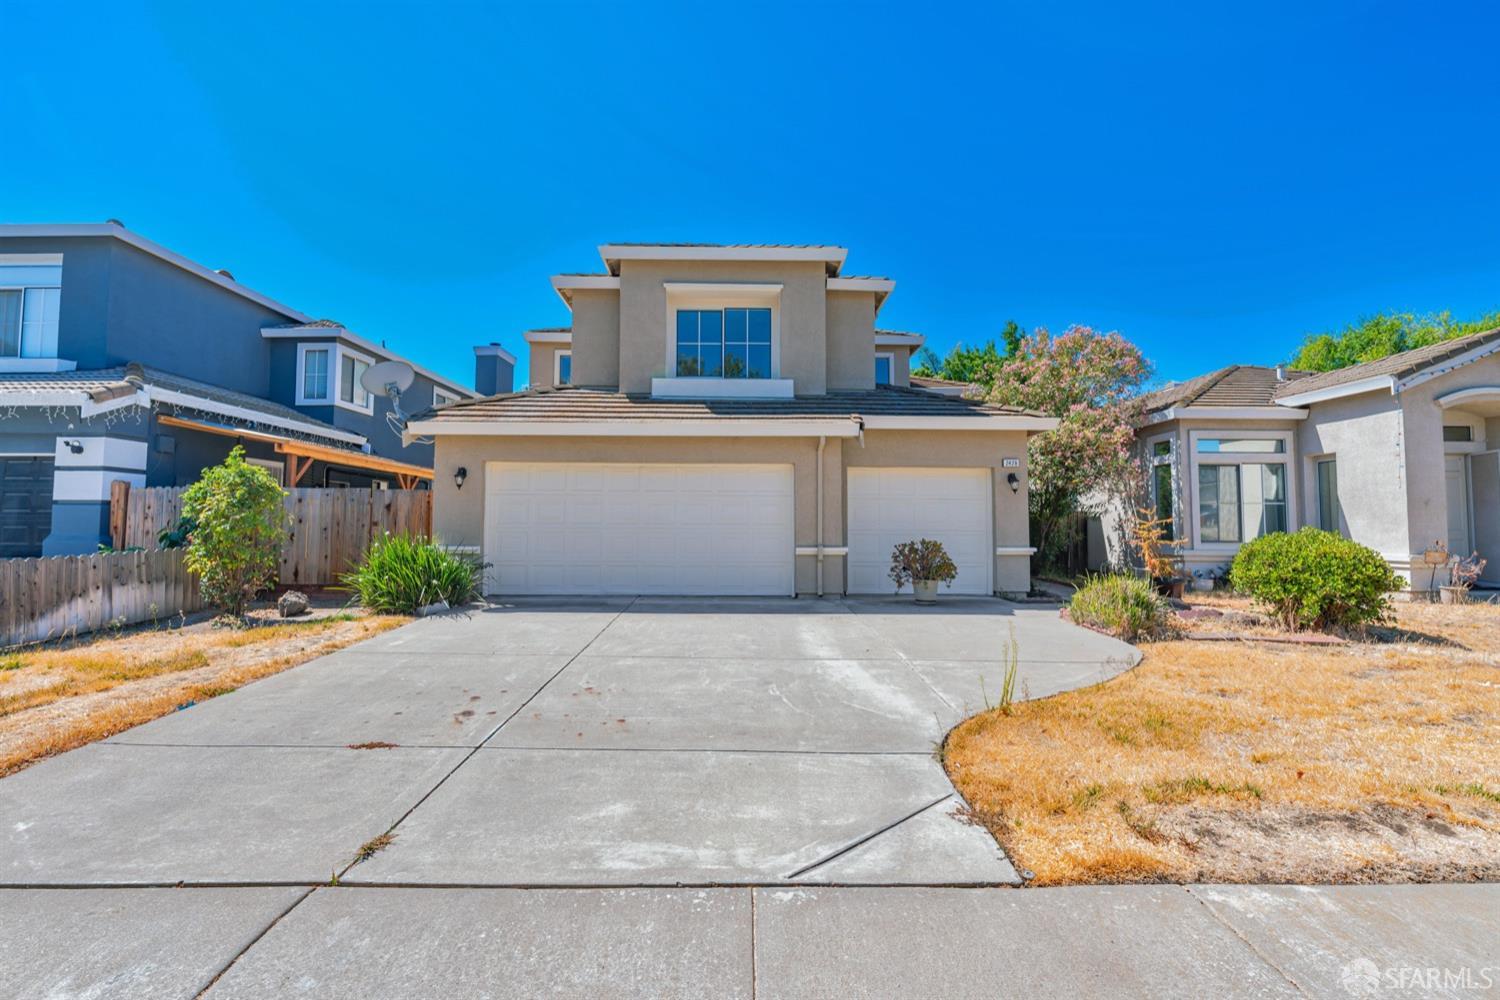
[647, 797]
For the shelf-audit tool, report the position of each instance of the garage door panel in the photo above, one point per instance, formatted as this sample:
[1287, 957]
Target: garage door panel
[645, 529]
[890, 506]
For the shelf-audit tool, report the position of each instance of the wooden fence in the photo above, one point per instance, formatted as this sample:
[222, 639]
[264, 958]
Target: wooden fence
[66, 595]
[327, 529]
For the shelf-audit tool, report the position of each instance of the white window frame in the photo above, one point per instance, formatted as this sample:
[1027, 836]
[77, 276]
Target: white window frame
[1459, 418]
[557, 357]
[1169, 459]
[720, 296]
[891, 357]
[19, 362]
[333, 373]
[276, 469]
[1285, 457]
[338, 389]
[1313, 463]
[441, 398]
[336, 353]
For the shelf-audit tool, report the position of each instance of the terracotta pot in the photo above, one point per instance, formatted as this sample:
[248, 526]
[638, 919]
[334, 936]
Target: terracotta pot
[925, 590]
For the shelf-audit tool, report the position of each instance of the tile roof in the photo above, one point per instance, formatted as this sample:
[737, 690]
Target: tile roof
[1235, 385]
[934, 380]
[575, 403]
[104, 382]
[1398, 366]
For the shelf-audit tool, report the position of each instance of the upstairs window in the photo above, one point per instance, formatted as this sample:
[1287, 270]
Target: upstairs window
[29, 300]
[441, 398]
[883, 365]
[724, 343]
[564, 373]
[351, 392]
[315, 368]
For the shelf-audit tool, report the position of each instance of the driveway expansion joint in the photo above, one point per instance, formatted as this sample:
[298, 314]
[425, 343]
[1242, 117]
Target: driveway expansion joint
[867, 838]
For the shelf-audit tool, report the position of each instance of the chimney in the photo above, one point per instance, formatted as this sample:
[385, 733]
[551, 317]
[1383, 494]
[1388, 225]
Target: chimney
[1281, 373]
[494, 370]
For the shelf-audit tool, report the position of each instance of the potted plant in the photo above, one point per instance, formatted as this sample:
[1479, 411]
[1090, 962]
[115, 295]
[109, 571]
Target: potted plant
[1462, 574]
[923, 564]
[1156, 547]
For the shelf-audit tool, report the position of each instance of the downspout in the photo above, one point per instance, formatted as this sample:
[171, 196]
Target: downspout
[822, 442]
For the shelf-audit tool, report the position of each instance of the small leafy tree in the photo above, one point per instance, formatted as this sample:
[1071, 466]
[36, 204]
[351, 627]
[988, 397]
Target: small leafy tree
[239, 524]
[921, 560]
[1087, 379]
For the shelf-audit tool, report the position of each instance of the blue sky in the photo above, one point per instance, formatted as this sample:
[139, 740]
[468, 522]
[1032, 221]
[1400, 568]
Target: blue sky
[1211, 183]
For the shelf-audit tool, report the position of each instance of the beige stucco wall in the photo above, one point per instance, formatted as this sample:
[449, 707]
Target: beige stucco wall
[458, 514]
[644, 322]
[1363, 435]
[596, 337]
[851, 340]
[1422, 431]
[542, 363]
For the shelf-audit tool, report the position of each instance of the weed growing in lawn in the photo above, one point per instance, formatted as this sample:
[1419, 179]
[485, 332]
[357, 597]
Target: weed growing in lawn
[1472, 788]
[11, 663]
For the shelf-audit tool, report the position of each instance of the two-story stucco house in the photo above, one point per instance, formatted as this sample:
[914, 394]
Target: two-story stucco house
[121, 360]
[1400, 454]
[728, 420]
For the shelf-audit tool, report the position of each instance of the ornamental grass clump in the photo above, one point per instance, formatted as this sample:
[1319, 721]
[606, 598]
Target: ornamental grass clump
[400, 574]
[1121, 604]
[1315, 579]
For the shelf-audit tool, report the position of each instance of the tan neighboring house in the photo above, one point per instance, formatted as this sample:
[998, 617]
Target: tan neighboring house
[1398, 454]
[728, 420]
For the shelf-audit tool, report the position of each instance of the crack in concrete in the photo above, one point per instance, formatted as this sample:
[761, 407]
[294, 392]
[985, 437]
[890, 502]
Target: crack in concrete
[1218, 918]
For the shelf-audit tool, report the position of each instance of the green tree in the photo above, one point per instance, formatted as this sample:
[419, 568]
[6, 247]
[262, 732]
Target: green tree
[1382, 335]
[975, 365]
[1088, 380]
[239, 525]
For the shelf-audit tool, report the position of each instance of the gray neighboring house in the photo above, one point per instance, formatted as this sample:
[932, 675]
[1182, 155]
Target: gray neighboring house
[120, 359]
[1398, 454]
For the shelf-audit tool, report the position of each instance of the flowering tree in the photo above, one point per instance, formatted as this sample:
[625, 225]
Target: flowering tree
[1088, 380]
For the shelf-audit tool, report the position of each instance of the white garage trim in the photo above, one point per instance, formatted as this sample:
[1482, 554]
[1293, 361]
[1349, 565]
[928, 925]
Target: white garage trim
[952, 505]
[639, 528]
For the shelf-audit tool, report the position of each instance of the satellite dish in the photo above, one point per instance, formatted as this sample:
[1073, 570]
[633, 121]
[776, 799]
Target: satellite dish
[389, 378]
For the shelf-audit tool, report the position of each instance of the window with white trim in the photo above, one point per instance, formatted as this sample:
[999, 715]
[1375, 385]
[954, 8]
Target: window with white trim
[885, 367]
[1163, 495]
[352, 367]
[1242, 489]
[562, 368]
[30, 298]
[724, 343]
[1329, 512]
[441, 398]
[315, 367]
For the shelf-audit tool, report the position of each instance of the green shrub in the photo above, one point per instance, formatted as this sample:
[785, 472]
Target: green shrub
[1121, 604]
[238, 527]
[1315, 579]
[400, 574]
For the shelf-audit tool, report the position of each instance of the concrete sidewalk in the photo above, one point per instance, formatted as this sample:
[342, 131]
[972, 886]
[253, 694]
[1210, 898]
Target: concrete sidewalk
[1108, 941]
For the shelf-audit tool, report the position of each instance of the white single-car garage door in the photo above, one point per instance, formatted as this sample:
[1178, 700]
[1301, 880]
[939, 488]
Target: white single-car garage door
[890, 506]
[604, 528]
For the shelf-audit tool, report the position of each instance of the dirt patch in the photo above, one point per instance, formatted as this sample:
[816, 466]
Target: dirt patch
[1252, 762]
[65, 695]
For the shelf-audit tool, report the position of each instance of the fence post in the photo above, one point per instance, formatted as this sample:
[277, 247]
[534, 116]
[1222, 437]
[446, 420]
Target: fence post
[119, 504]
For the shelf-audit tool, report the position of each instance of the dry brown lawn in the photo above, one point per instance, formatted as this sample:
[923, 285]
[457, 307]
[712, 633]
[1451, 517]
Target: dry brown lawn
[1254, 762]
[65, 695]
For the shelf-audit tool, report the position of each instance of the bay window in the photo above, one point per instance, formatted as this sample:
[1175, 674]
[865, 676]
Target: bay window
[351, 392]
[1241, 486]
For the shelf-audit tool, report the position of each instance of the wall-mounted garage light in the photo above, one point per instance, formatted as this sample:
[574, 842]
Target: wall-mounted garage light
[1014, 480]
[75, 446]
[459, 475]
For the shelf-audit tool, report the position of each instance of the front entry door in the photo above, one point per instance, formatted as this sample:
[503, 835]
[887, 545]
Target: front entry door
[1457, 482]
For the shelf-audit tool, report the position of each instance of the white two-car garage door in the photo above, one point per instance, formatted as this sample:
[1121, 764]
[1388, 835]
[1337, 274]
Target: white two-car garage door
[890, 506]
[604, 528]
